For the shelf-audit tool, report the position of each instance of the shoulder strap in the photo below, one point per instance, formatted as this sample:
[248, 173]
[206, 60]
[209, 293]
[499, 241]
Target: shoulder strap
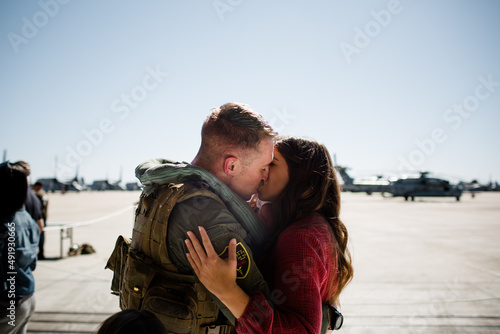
[151, 222]
[191, 191]
[152, 216]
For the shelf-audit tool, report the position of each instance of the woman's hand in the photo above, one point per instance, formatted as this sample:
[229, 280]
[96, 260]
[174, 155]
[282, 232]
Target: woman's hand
[215, 273]
[253, 202]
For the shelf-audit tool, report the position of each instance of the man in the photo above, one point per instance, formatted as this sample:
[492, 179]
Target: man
[33, 205]
[44, 202]
[237, 153]
[232, 162]
[18, 244]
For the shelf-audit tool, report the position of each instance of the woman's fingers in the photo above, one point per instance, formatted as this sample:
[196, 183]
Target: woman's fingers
[200, 250]
[195, 248]
[209, 248]
[192, 255]
[203, 257]
[232, 253]
[192, 262]
[215, 273]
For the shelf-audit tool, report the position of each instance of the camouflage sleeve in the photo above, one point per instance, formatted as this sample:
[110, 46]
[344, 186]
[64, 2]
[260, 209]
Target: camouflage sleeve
[221, 227]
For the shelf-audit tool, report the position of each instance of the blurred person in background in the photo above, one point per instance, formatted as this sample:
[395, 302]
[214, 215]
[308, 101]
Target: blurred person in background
[32, 204]
[44, 202]
[19, 236]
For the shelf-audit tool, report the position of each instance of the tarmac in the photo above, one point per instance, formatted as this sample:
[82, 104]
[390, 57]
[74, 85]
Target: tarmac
[428, 266]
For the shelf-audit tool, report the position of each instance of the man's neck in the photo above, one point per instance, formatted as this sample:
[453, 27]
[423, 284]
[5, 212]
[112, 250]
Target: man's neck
[197, 161]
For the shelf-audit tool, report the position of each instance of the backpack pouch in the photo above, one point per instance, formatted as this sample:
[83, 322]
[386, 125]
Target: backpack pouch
[174, 304]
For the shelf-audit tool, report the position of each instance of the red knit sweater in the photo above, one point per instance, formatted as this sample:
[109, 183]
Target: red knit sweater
[300, 268]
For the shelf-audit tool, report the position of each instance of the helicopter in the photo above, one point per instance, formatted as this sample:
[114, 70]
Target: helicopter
[369, 186]
[364, 186]
[424, 186]
[407, 187]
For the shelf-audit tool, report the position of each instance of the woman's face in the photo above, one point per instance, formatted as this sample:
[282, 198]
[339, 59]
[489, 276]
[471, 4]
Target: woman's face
[278, 179]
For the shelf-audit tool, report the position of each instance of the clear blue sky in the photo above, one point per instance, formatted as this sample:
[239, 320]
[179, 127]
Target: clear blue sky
[388, 86]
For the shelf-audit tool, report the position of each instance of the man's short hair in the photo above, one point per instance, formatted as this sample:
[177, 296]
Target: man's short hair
[235, 125]
[25, 166]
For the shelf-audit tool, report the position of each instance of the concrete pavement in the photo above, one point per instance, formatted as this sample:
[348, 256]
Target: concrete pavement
[429, 266]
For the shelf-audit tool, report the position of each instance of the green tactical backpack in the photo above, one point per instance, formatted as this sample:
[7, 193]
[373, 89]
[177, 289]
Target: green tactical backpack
[145, 278]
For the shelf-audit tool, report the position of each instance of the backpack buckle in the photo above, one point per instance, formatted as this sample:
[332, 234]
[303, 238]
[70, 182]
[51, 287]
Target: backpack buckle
[213, 330]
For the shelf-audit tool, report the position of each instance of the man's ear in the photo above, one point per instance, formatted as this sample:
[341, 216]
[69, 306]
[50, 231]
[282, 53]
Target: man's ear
[230, 165]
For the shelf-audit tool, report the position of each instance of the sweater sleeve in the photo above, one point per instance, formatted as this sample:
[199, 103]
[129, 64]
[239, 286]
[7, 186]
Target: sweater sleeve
[300, 278]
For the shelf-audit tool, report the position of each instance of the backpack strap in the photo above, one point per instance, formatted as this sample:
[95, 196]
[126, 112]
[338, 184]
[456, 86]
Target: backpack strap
[200, 192]
[151, 222]
[152, 216]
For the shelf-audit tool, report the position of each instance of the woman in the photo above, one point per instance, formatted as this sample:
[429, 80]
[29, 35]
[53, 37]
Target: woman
[308, 263]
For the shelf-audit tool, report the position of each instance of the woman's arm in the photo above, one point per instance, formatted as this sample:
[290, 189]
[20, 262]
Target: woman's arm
[216, 274]
[299, 277]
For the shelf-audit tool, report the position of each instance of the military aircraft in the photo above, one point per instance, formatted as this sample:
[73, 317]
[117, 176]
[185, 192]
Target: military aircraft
[53, 184]
[423, 186]
[474, 187]
[407, 187]
[369, 186]
[107, 184]
[133, 186]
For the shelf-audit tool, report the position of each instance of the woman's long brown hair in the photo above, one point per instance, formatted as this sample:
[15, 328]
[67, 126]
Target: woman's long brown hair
[313, 188]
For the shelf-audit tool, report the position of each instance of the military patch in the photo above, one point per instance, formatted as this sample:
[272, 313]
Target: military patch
[242, 258]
